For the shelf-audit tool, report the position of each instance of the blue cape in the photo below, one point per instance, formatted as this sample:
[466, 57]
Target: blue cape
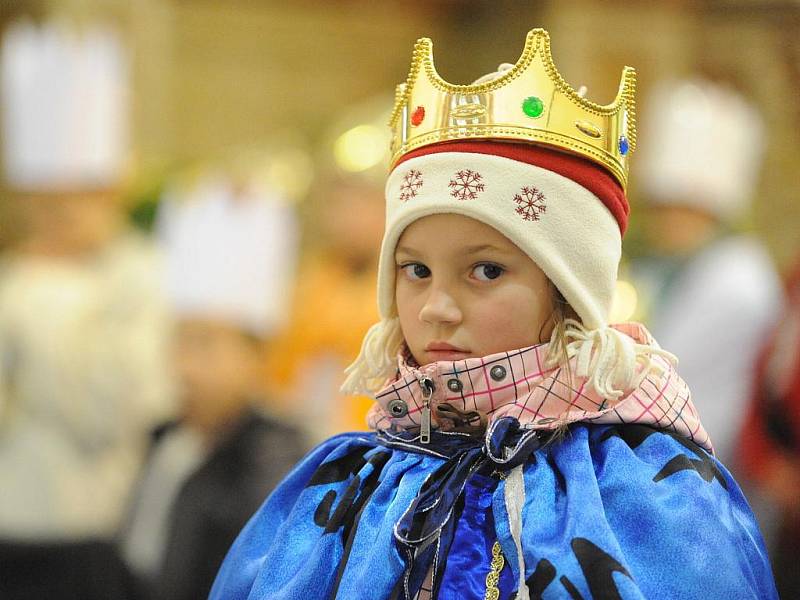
[622, 511]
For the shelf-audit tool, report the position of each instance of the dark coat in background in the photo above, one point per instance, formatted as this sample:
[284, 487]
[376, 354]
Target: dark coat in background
[218, 499]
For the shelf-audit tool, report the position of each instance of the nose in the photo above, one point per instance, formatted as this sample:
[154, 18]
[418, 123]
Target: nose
[440, 307]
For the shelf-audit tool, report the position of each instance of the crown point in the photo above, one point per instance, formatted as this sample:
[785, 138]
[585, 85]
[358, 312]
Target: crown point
[537, 33]
[533, 107]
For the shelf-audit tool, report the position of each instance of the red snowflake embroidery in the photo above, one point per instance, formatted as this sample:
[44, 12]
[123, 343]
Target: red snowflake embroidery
[466, 185]
[531, 203]
[412, 181]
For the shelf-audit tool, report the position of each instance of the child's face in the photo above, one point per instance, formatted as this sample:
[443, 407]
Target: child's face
[218, 369]
[464, 290]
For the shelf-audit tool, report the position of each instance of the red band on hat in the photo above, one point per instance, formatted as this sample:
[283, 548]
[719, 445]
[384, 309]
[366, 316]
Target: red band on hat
[583, 172]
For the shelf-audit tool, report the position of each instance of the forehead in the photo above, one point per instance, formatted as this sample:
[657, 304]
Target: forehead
[452, 232]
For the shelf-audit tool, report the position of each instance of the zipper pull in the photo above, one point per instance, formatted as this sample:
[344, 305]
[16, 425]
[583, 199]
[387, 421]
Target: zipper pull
[426, 383]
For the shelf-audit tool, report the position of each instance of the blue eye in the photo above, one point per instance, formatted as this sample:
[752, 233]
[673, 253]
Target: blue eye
[416, 271]
[488, 271]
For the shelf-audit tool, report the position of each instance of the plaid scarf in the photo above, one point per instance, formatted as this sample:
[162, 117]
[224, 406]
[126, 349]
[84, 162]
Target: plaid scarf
[471, 394]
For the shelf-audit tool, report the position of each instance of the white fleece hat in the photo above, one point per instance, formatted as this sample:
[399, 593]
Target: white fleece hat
[565, 212]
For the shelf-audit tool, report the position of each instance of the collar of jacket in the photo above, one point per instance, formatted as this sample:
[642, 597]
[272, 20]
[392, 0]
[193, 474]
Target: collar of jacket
[469, 395]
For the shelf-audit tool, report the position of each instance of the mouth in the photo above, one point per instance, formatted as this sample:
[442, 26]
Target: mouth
[444, 351]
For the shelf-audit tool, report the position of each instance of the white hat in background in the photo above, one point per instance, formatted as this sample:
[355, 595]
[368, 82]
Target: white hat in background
[65, 106]
[230, 253]
[704, 144]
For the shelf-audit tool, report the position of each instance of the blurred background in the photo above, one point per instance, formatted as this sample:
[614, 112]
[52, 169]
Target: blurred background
[190, 214]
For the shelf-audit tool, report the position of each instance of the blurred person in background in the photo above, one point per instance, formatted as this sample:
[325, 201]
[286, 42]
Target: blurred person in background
[710, 294]
[770, 449]
[230, 258]
[83, 320]
[332, 307]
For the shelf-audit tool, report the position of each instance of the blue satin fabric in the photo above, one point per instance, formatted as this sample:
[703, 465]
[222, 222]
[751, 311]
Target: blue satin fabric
[427, 528]
[610, 512]
[464, 579]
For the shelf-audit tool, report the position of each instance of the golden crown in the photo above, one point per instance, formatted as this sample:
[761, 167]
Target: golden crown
[529, 102]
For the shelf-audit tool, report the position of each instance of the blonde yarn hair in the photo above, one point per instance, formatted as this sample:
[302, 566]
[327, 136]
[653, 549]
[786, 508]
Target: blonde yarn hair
[377, 360]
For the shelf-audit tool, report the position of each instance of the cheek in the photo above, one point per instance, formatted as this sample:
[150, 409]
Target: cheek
[511, 319]
[408, 307]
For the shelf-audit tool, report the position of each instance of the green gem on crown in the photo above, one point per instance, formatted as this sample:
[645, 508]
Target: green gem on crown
[533, 106]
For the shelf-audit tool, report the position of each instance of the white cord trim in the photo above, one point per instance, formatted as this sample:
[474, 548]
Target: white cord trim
[515, 500]
[612, 362]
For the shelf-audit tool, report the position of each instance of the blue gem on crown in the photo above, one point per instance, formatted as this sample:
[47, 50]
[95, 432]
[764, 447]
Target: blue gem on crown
[624, 145]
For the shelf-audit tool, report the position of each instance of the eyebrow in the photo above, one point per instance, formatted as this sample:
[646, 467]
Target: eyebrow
[405, 250]
[481, 248]
[469, 250]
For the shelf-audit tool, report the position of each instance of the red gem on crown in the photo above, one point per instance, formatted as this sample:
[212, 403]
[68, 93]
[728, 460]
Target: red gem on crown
[418, 115]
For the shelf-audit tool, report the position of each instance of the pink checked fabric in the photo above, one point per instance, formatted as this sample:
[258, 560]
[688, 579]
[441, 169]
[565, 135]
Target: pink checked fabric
[519, 384]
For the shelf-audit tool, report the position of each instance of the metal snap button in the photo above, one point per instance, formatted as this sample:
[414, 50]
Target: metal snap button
[455, 385]
[498, 373]
[398, 408]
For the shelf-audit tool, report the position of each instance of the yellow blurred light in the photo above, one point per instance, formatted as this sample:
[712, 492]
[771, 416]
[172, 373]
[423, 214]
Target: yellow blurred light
[623, 307]
[360, 148]
[291, 173]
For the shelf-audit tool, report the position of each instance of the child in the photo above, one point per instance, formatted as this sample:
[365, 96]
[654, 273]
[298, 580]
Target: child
[83, 321]
[524, 447]
[211, 468]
